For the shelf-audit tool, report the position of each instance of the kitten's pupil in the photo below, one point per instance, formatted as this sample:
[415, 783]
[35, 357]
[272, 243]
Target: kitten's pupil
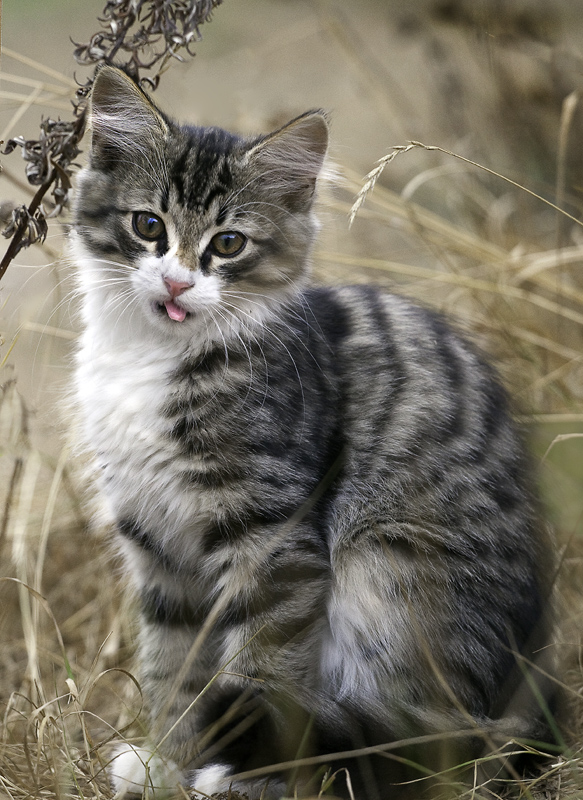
[148, 226]
[228, 244]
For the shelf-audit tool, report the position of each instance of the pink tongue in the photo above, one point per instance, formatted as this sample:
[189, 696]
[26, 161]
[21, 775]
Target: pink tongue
[174, 311]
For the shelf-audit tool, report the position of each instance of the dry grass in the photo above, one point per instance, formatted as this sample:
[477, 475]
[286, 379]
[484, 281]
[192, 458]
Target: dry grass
[501, 262]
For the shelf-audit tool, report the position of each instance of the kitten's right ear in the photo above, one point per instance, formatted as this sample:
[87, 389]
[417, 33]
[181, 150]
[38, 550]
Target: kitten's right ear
[290, 159]
[122, 118]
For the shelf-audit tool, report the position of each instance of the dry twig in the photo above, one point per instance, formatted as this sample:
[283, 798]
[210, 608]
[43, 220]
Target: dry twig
[136, 35]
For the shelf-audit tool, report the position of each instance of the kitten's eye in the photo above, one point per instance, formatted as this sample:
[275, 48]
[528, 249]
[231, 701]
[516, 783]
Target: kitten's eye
[228, 244]
[148, 226]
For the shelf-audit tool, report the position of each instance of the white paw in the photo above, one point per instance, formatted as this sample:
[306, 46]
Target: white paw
[210, 779]
[134, 769]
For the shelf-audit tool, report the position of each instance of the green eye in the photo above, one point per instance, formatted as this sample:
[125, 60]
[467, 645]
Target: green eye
[148, 226]
[228, 244]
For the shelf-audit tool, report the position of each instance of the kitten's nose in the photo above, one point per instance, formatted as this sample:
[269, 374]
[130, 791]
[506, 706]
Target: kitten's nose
[176, 287]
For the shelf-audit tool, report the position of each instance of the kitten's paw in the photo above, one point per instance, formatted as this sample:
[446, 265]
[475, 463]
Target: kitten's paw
[216, 778]
[135, 768]
[210, 779]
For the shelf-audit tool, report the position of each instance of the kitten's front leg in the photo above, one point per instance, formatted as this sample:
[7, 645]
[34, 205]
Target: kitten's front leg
[169, 692]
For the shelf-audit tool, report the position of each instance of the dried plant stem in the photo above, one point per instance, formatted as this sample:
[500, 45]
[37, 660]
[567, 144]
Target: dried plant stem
[14, 179]
[475, 284]
[375, 174]
[30, 62]
[55, 173]
[438, 231]
[48, 516]
[382, 749]
[154, 30]
[561, 437]
[39, 100]
[14, 245]
[53, 88]
[18, 534]
[14, 481]
[417, 217]
[570, 104]
[23, 108]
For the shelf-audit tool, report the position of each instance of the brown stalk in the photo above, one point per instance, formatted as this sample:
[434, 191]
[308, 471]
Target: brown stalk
[174, 25]
[14, 245]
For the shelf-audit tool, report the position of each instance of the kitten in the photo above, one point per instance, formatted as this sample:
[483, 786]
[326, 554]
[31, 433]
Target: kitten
[319, 495]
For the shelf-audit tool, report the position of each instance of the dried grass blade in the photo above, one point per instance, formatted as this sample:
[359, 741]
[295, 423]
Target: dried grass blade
[458, 280]
[375, 174]
[7, 51]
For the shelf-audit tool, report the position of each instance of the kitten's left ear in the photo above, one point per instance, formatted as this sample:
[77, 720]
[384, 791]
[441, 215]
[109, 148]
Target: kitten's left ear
[291, 158]
[122, 117]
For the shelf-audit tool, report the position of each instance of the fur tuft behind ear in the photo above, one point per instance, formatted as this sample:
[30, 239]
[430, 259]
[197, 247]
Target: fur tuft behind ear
[291, 158]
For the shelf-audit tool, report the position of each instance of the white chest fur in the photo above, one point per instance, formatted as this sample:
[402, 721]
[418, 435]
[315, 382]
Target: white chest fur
[122, 387]
[120, 390]
[125, 365]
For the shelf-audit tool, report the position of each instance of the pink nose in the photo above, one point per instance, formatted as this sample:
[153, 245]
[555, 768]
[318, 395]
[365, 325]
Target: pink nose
[176, 287]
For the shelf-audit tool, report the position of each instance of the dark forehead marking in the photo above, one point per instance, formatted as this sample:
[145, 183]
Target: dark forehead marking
[222, 185]
[201, 169]
[177, 174]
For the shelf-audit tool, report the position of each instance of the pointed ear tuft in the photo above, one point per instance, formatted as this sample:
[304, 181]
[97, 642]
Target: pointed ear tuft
[122, 118]
[291, 158]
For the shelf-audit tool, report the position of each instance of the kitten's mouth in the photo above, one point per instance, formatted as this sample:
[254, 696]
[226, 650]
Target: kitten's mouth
[175, 312]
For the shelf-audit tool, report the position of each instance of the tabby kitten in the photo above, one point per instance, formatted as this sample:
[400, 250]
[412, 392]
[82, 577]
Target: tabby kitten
[319, 495]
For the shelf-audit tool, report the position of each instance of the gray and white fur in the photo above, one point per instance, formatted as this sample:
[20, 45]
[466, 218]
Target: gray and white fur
[319, 495]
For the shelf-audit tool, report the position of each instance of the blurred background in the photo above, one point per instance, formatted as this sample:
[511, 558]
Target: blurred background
[498, 82]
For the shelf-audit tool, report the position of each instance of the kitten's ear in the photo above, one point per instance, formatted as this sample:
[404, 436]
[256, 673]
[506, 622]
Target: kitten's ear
[291, 158]
[122, 117]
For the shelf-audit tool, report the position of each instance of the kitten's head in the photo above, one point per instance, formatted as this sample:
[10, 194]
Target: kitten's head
[192, 226]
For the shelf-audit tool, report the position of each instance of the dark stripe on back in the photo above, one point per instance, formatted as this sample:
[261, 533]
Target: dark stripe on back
[496, 409]
[325, 318]
[380, 358]
[506, 488]
[450, 424]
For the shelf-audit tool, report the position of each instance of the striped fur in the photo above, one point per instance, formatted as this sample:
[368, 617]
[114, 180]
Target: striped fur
[320, 497]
